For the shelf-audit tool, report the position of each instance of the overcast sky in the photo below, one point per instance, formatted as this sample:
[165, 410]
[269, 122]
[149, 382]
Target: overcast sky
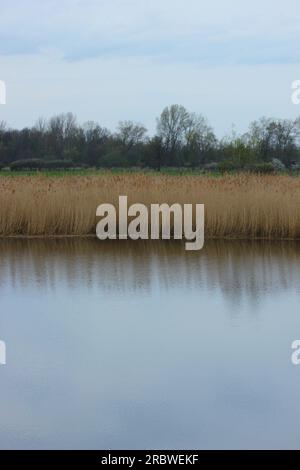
[109, 60]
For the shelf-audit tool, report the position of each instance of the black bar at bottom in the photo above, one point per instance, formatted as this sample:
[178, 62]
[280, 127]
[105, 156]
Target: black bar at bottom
[134, 459]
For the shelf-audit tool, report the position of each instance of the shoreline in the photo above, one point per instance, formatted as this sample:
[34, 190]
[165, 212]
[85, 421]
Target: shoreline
[172, 239]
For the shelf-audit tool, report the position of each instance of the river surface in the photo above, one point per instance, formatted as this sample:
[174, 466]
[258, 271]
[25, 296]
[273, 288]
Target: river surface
[144, 345]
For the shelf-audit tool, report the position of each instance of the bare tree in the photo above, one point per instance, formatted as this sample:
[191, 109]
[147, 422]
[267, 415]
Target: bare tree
[274, 138]
[3, 126]
[199, 135]
[41, 125]
[131, 133]
[62, 130]
[93, 133]
[172, 125]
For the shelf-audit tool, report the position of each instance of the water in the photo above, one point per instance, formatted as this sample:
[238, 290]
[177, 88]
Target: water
[143, 345]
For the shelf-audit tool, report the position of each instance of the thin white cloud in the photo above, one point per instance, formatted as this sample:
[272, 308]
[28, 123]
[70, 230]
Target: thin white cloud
[116, 59]
[210, 31]
[109, 90]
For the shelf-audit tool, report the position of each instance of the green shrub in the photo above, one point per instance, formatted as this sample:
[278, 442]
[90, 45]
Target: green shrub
[30, 164]
[227, 165]
[114, 159]
[262, 167]
[58, 164]
[38, 164]
[277, 164]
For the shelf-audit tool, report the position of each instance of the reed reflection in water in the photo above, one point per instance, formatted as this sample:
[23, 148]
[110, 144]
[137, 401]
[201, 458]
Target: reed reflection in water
[145, 345]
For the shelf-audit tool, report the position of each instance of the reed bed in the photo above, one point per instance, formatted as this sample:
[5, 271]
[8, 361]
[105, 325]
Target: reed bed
[236, 206]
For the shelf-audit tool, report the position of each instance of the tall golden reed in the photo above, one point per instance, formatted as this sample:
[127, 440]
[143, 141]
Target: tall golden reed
[237, 206]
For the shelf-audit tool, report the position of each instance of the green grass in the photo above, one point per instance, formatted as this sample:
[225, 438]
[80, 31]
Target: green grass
[113, 171]
[125, 171]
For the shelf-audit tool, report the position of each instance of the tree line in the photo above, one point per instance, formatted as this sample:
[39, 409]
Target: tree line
[182, 139]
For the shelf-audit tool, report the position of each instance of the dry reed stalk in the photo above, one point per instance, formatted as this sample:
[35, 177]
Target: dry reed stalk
[239, 206]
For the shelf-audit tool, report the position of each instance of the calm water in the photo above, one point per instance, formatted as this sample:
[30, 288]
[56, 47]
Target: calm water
[142, 345]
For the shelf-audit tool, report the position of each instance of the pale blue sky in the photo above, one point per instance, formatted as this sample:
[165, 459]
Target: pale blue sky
[116, 59]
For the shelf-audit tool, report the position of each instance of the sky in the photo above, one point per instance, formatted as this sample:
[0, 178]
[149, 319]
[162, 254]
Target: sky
[108, 60]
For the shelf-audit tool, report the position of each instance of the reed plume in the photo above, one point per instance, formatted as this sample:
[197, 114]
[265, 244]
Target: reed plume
[236, 206]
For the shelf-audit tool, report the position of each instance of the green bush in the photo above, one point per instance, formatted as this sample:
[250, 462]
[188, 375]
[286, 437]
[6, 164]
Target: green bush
[38, 164]
[262, 167]
[114, 159]
[30, 164]
[227, 165]
[58, 164]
